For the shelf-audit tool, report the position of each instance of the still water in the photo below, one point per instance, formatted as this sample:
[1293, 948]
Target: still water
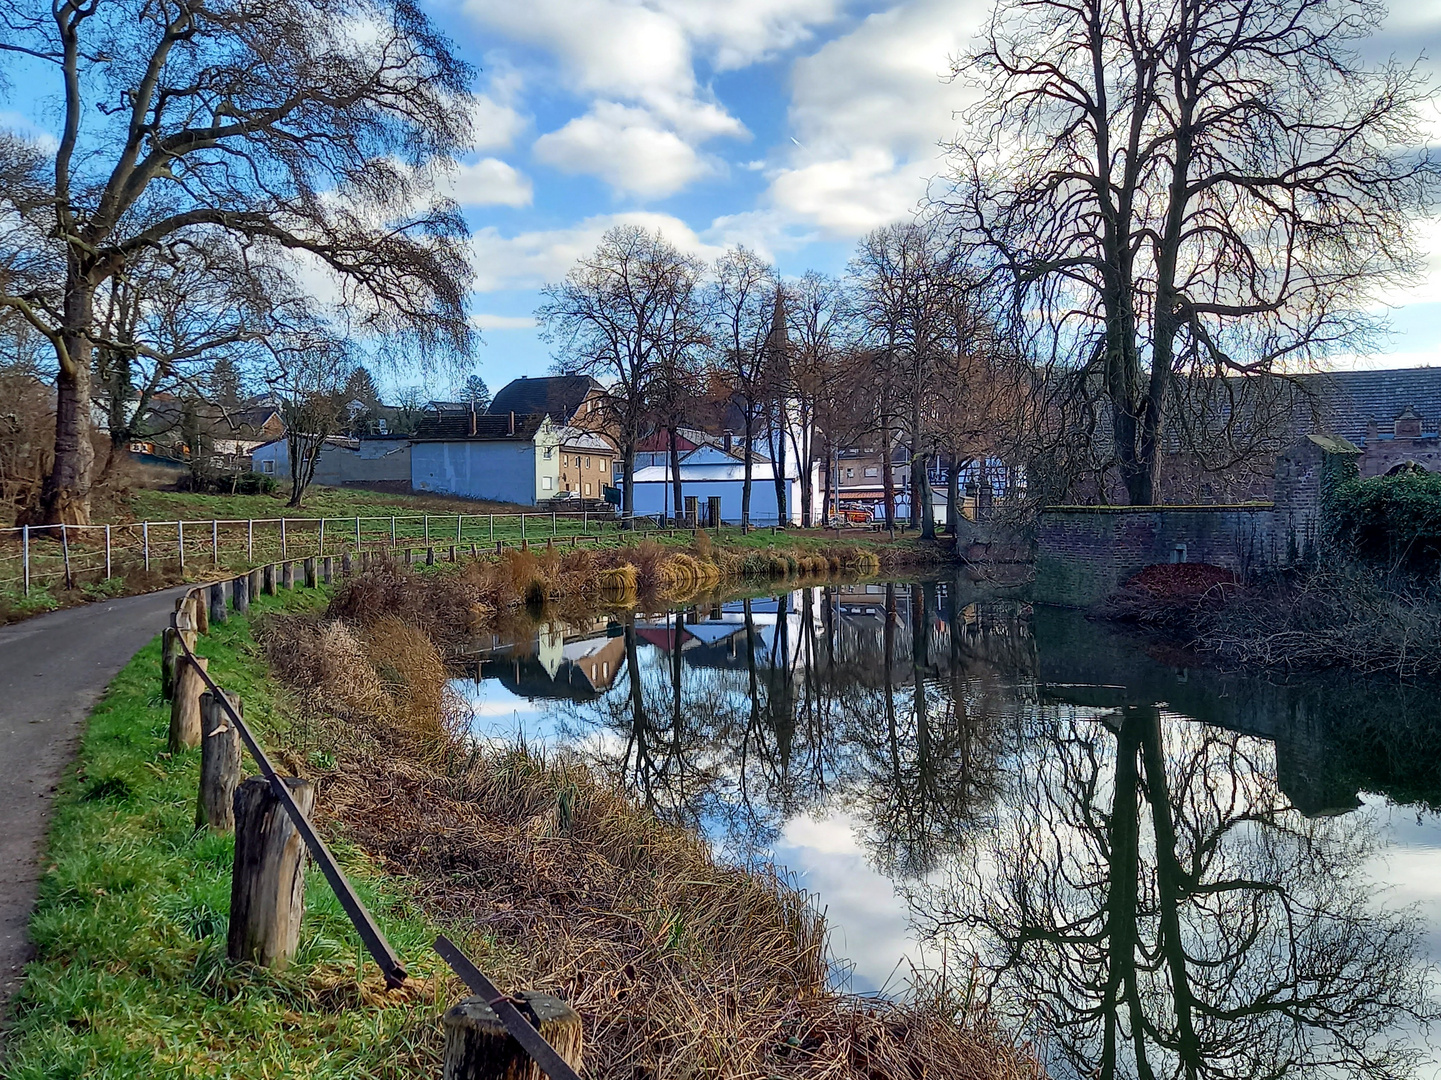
[1147, 869]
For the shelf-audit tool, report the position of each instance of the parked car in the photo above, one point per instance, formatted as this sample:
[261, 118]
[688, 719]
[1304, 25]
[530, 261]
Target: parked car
[561, 496]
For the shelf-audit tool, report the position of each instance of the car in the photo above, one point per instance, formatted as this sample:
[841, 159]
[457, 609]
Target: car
[559, 496]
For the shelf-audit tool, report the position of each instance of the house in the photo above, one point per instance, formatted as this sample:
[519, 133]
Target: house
[585, 462]
[567, 400]
[381, 461]
[233, 432]
[506, 457]
[710, 470]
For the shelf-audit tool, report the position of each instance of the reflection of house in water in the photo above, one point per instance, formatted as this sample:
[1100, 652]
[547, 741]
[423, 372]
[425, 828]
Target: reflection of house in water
[552, 663]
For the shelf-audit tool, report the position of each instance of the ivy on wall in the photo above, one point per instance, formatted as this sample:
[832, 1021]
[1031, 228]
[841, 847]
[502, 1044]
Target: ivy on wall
[1394, 520]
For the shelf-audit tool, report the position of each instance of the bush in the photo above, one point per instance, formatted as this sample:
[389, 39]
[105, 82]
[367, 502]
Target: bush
[219, 483]
[1390, 520]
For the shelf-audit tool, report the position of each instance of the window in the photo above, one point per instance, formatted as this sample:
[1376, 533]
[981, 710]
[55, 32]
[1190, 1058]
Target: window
[549, 452]
[850, 473]
[267, 466]
[587, 461]
[587, 490]
[872, 470]
[545, 483]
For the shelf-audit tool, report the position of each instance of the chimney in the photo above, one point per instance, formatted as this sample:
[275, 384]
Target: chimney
[512, 421]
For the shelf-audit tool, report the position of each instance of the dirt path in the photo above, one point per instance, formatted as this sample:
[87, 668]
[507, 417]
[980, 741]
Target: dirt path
[53, 669]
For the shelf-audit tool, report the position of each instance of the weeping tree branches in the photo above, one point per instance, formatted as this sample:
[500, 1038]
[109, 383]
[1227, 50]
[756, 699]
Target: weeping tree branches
[308, 130]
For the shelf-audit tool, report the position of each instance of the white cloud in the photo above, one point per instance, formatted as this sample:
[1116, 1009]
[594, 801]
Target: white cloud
[648, 114]
[495, 124]
[488, 182]
[626, 148]
[503, 322]
[530, 259]
[868, 111]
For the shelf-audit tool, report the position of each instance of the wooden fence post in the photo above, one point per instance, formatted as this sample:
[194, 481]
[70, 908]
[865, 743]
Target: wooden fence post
[327, 569]
[267, 573]
[477, 1046]
[311, 580]
[171, 653]
[218, 613]
[185, 705]
[267, 884]
[345, 563]
[219, 764]
[240, 589]
[430, 556]
[256, 577]
[452, 553]
[287, 575]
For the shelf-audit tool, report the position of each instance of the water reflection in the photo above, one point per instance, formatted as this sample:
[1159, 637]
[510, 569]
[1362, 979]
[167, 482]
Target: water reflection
[1157, 871]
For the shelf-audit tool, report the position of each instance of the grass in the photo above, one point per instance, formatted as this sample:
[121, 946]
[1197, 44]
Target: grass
[145, 504]
[131, 978]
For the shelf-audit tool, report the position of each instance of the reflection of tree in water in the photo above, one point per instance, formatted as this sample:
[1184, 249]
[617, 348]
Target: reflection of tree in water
[1151, 904]
[893, 716]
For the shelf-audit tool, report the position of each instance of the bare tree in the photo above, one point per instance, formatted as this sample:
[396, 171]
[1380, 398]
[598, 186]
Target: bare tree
[313, 375]
[818, 313]
[1180, 193]
[614, 317]
[308, 128]
[743, 312]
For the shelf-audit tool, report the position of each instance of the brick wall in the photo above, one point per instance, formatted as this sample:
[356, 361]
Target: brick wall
[1084, 553]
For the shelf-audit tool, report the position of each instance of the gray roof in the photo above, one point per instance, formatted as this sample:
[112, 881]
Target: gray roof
[1350, 399]
[557, 396]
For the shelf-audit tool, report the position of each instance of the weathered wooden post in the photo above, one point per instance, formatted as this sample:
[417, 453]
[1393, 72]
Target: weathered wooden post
[256, 580]
[218, 611]
[267, 884]
[219, 764]
[430, 556]
[346, 566]
[477, 1046]
[192, 604]
[311, 572]
[327, 569]
[240, 589]
[171, 653]
[409, 556]
[287, 575]
[267, 572]
[713, 511]
[185, 705]
[452, 553]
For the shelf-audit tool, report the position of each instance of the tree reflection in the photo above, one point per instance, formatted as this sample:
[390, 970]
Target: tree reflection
[1151, 903]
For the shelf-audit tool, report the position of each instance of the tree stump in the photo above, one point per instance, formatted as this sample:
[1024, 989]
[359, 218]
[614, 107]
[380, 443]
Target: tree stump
[311, 573]
[185, 705]
[267, 885]
[171, 653]
[287, 575]
[219, 765]
[240, 588]
[217, 602]
[477, 1046]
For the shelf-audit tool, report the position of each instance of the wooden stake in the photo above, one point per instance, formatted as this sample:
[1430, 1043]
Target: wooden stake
[477, 1046]
[312, 577]
[170, 654]
[267, 572]
[345, 564]
[185, 705]
[240, 588]
[218, 613]
[430, 556]
[267, 884]
[287, 575]
[219, 765]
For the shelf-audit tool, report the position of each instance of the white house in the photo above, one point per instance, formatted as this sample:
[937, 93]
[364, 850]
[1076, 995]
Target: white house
[342, 460]
[710, 470]
[503, 458]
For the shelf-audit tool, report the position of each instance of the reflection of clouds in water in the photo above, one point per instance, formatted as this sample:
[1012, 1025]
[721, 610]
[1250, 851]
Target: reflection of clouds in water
[1410, 865]
[868, 921]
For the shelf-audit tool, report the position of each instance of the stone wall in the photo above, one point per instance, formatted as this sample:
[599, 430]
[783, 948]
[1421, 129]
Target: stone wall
[1083, 553]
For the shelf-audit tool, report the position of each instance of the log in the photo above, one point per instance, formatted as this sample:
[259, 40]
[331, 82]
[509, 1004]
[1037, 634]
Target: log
[477, 1046]
[219, 765]
[240, 589]
[312, 577]
[287, 575]
[171, 653]
[185, 705]
[218, 614]
[267, 884]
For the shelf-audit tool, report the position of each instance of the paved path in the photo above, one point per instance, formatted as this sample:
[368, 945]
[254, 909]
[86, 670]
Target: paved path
[53, 669]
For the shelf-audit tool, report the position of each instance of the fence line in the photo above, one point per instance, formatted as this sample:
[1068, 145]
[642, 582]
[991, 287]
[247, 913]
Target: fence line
[466, 1029]
[29, 559]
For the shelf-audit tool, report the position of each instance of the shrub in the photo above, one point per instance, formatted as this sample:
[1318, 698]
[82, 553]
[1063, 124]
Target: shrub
[1390, 520]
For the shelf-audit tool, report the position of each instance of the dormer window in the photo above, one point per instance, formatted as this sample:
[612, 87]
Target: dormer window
[1408, 424]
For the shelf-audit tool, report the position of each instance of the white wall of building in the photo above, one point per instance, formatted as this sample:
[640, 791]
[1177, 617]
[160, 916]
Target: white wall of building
[504, 471]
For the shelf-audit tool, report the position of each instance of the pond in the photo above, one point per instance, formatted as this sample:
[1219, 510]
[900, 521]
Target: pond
[1146, 868]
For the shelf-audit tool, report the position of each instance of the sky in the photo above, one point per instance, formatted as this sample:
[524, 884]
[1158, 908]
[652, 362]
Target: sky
[792, 126]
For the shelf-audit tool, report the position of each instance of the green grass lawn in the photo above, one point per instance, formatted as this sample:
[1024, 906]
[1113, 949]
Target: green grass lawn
[131, 980]
[150, 504]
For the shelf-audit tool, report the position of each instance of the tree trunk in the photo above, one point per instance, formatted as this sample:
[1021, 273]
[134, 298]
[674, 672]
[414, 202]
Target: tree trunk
[627, 494]
[65, 498]
[953, 496]
[675, 481]
[920, 475]
[778, 464]
[746, 472]
[888, 480]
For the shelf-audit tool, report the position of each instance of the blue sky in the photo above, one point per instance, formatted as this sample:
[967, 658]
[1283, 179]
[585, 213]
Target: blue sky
[793, 126]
